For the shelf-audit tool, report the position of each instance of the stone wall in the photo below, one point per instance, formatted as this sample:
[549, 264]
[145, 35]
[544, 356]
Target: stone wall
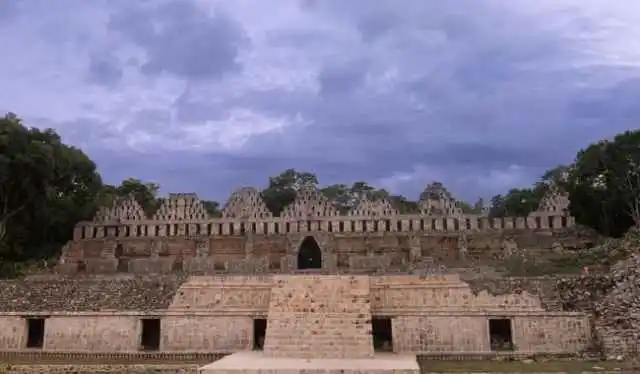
[12, 333]
[437, 334]
[559, 333]
[92, 333]
[258, 253]
[218, 333]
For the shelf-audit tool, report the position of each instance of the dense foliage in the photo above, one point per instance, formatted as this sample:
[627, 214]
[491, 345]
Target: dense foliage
[47, 186]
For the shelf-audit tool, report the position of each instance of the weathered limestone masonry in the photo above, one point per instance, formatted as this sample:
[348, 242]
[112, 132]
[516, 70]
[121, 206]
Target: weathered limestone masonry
[309, 233]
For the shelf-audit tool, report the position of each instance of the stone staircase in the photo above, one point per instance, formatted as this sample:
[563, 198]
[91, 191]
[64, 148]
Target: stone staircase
[316, 316]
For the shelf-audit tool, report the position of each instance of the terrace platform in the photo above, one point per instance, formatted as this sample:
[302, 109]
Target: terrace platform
[257, 362]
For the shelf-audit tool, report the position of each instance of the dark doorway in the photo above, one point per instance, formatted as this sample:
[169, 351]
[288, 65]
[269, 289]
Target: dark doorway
[382, 334]
[123, 263]
[309, 255]
[500, 334]
[150, 338]
[35, 332]
[259, 332]
[118, 251]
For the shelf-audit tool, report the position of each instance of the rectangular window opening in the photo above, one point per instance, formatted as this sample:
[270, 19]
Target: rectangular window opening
[501, 334]
[382, 333]
[150, 337]
[35, 332]
[259, 332]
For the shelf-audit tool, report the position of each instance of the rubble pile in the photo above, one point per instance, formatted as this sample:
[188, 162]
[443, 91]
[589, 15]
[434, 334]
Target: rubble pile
[139, 293]
[612, 294]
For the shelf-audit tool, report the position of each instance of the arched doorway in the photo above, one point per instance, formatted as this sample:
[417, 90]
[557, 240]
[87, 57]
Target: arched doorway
[309, 254]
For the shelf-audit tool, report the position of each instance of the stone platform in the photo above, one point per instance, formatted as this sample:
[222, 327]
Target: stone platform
[257, 362]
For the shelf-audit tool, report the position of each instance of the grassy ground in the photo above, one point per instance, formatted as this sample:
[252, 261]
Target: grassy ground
[564, 366]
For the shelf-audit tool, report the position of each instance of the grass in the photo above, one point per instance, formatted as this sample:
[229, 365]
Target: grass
[564, 366]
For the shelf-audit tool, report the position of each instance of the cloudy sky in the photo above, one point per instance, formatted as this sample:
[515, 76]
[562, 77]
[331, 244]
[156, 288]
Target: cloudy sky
[205, 96]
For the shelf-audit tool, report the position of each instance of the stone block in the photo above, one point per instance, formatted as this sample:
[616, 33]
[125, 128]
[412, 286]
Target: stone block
[151, 265]
[199, 265]
[101, 266]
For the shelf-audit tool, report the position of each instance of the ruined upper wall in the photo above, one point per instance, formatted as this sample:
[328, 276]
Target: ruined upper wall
[310, 203]
[553, 202]
[373, 208]
[246, 203]
[181, 207]
[126, 209]
[437, 200]
[246, 212]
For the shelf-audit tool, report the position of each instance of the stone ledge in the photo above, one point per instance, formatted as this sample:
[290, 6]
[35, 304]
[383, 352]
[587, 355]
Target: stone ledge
[133, 357]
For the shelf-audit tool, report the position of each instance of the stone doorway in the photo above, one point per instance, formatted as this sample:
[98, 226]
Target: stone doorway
[35, 332]
[501, 334]
[309, 254]
[382, 334]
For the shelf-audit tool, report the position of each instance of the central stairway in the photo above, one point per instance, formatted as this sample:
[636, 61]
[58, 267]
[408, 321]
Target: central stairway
[317, 324]
[315, 316]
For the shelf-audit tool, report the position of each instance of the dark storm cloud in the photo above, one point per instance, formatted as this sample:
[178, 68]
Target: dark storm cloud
[482, 98]
[8, 9]
[343, 78]
[180, 39]
[499, 93]
[104, 69]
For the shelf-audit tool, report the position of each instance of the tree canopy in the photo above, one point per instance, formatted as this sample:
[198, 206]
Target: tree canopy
[47, 187]
[604, 184]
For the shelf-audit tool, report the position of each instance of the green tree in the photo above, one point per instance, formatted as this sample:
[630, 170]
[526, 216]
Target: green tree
[46, 187]
[518, 202]
[340, 195]
[478, 206]
[404, 205]
[145, 193]
[283, 188]
[604, 184]
[212, 208]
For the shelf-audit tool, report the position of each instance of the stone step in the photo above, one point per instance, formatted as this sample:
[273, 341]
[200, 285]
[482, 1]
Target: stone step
[318, 316]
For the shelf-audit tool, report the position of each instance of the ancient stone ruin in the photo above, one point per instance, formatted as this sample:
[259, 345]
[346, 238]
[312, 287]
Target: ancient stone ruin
[289, 293]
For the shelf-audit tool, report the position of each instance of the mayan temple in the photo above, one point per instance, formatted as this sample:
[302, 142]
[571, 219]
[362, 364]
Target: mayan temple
[311, 290]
